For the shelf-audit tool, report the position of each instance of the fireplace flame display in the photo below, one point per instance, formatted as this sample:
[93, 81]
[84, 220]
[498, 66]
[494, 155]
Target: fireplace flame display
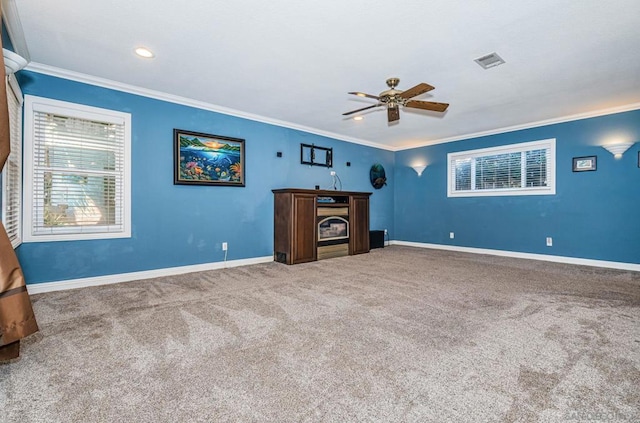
[333, 228]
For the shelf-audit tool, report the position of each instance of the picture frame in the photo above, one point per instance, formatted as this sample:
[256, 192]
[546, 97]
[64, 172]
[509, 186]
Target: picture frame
[206, 159]
[585, 164]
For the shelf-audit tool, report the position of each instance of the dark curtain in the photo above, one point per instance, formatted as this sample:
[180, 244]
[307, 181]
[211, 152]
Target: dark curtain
[16, 315]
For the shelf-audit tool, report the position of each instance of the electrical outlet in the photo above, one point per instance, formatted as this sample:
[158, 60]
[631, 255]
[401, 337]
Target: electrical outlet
[385, 231]
[452, 235]
[333, 173]
[549, 241]
[224, 246]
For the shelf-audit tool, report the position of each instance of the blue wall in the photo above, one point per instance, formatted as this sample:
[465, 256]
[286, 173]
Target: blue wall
[176, 225]
[594, 215]
[6, 40]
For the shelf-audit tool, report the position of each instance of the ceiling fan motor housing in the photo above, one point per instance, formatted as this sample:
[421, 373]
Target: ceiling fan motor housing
[391, 97]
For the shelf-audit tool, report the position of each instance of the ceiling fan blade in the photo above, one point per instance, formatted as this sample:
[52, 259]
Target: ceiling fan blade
[427, 105]
[359, 110]
[359, 94]
[393, 114]
[417, 90]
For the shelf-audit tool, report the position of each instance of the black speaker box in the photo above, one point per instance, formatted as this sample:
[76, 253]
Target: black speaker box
[376, 239]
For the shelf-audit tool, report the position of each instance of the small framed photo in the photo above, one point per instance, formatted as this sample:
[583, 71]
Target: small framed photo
[206, 159]
[584, 164]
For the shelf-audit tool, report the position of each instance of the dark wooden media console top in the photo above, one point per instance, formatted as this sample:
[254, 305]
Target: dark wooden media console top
[319, 192]
[306, 229]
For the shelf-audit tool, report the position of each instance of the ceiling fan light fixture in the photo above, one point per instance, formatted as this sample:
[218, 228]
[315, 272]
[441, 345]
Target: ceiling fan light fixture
[144, 53]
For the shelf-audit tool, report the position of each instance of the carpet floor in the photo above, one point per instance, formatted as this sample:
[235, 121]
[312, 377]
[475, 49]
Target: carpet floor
[397, 335]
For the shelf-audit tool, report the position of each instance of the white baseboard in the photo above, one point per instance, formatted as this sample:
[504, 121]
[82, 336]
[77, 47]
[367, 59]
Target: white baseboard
[39, 288]
[531, 256]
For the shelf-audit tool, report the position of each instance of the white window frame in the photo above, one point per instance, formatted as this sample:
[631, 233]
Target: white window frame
[79, 111]
[550, 189]
[15, 157]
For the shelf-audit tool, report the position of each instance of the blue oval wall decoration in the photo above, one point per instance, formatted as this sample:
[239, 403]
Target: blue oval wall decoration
[377, 176]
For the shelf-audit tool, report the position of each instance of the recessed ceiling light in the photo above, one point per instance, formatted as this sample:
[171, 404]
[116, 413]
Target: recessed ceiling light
[358, 118]
[144, 52]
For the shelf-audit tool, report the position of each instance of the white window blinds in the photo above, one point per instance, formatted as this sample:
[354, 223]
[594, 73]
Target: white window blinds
[80, 183]
[516, 169]
[12, 173]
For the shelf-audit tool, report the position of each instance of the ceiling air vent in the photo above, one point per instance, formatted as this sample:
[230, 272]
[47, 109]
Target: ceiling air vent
[489, 61]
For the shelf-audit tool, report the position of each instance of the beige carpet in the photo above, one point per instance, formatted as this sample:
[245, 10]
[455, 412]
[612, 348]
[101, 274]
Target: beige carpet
[397, 335]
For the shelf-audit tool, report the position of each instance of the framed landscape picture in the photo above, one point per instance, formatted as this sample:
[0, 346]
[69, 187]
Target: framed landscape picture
[584, 164]
[205, 159]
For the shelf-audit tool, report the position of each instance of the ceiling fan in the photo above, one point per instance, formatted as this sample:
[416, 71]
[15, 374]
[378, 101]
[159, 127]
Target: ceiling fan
[393, 99]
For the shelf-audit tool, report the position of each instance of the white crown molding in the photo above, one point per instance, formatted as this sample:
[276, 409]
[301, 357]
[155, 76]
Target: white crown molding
[158, 95]
[14, 28]
[39, 288]
[530, 256]
[529, 125]
[171, 98]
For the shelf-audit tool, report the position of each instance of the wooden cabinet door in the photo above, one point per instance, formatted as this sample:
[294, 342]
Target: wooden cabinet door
[359, 221]
[282, 228]
[304, 228]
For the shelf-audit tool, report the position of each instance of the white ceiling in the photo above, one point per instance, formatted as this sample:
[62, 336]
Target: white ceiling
[294, 61]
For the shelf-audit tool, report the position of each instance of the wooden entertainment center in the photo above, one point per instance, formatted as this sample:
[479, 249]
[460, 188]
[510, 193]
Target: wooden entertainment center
[313, 225]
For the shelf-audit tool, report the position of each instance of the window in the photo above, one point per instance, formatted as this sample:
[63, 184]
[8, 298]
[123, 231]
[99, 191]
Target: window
[12, 172]
[517, 169]
[77, 172]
